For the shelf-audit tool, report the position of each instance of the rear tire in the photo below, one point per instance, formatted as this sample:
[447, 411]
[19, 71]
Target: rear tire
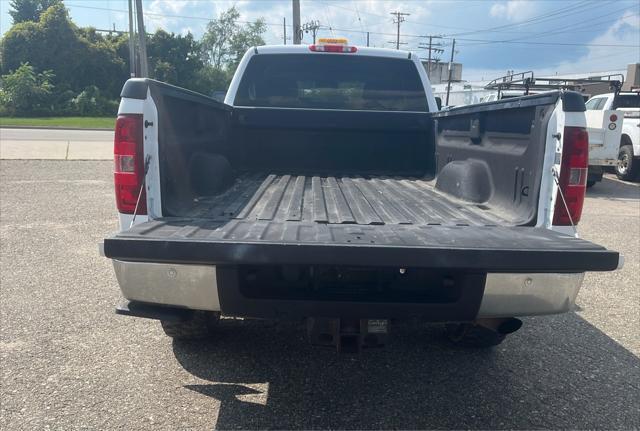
[591, 183]
[627, 167]
[472, 335]
[199, 325]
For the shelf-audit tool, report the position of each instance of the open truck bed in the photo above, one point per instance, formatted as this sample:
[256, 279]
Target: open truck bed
[383, 221]
[455, 189]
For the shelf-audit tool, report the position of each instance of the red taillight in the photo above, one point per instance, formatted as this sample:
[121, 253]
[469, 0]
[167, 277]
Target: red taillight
[128, 157]
[573, 176]
[613, 118]
[333, 48]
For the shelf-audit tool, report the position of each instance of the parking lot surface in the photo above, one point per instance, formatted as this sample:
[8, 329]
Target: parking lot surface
[68, 362]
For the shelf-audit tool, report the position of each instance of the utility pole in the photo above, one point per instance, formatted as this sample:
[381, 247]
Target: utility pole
[367, 38]
[432, 47]
[144, 66]
[453, 50]
[284, 30]
[312, 26]
[297, 32]
[132, 43]
[429, 60]
[399, 19]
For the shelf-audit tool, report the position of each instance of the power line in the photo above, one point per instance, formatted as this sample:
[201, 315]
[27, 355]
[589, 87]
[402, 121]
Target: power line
[549, 16]
[362, 26]
[497, 41]
[604, 45]
[571, 27]
[375, 33]
[491, 29]
[201, 18]
[330, 27]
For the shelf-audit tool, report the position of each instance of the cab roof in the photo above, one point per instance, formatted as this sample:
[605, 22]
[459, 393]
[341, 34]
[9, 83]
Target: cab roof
[304, 49]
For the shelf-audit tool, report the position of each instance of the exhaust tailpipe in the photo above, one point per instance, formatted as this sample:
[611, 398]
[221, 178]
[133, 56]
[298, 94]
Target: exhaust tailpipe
[502, 326]
[509, 326]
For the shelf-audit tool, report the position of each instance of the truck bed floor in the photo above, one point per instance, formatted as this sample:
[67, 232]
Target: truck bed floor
[287, 219]
[357, 200]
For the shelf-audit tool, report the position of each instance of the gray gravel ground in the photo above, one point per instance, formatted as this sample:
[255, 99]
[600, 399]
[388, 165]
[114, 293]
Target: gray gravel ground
[68, 362]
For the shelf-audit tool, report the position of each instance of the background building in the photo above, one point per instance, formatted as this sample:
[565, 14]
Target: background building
[438, 72]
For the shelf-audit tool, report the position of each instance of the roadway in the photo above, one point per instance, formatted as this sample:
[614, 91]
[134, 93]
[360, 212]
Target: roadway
[55, 144]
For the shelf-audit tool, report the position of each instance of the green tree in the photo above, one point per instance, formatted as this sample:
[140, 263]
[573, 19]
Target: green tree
[225, 40]
[209, 80]
[250, 35]
[25, 92]
[174, 58]
[29, 10]
[55, 43]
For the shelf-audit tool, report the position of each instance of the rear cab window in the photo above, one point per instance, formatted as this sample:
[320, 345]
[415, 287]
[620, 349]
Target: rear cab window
[331, 81]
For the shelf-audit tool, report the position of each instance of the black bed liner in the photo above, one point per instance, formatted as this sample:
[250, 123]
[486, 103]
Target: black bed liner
[335, 199]
[343, 220]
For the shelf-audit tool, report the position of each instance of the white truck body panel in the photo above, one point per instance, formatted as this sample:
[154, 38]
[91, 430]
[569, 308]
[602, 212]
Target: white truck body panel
[604, 136]
[631, 128]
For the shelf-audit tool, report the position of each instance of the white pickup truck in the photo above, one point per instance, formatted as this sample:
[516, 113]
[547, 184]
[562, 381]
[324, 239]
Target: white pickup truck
[329, 188]
[627, 108]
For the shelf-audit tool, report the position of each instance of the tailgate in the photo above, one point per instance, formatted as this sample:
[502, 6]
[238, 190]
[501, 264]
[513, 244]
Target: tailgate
[484, 248]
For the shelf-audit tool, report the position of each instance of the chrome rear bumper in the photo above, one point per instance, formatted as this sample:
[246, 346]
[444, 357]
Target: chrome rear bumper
[195, 287]
[189, 286]
[507, 295]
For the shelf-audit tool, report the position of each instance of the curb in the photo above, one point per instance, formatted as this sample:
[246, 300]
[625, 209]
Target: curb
[56, 128]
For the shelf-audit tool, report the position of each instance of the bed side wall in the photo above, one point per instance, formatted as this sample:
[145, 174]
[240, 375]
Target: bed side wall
[492, 154]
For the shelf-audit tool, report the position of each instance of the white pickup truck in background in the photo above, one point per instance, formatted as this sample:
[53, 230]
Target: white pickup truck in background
[604, 128]
[627, 147]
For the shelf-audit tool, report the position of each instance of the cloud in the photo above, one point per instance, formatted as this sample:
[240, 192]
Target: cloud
[624, 31]
[513, 10]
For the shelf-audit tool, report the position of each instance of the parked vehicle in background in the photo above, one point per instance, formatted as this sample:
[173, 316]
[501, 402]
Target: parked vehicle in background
[627, 103]
[328, 187]
[605, 128]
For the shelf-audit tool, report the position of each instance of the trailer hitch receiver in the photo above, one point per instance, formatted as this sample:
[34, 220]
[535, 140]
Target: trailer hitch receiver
[347, 335]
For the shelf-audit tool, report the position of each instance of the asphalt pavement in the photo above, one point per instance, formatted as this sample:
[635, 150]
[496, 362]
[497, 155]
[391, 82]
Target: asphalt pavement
[68, 362]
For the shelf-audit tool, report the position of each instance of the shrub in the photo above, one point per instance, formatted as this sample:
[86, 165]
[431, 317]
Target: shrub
[91, 103]
[25, 92]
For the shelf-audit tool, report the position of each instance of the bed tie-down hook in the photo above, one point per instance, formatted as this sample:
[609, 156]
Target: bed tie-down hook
[147, 161]
[556, 178]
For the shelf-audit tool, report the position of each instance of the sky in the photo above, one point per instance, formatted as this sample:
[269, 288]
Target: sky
[492, 36]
